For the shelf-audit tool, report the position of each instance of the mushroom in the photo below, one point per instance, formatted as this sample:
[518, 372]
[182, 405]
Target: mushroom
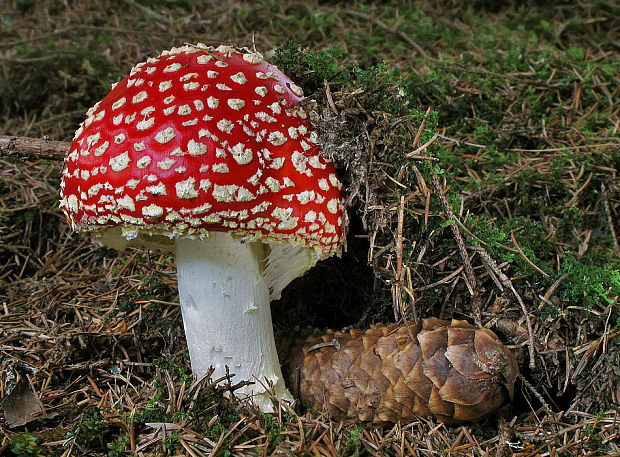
[207, 153]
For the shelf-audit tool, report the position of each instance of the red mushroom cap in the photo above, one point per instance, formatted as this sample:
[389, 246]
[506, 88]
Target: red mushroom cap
[203, 139]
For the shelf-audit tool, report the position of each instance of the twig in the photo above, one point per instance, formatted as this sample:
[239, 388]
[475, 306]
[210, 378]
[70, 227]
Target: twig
[416, 140]
[551, 290]
[533, 390]
[25, 148]
[508, 284]
[330, 99]
[610, 220]
[565, 148]
[400, 273]
[399, 239]
[402, 35]
[187, 447]
[458, 143]
[443, 280]
[469, 271]
[522, 254]
[414, 154]
[409, 290]
[573, 199]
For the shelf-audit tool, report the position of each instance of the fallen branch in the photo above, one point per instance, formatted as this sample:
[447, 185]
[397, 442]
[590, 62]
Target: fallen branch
[29, 149]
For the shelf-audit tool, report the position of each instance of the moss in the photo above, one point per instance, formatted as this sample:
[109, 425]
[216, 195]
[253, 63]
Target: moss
[91, 431]
[311, 68]
[590, 285]
[25, 444]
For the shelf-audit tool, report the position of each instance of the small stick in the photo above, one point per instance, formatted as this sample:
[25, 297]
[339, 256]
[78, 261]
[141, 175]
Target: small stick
[25, 148]
[397, 284]
[469, 270]
[508, 284]
[522, 254]
[533, 390]
[610, 221]
[330, 99]
[551, 290]
[573, 199]
[333, 343]
[416, 140]
[414, 154]
[409, 290]
[399, 239]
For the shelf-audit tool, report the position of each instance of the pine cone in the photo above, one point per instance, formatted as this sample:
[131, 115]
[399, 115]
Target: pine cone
[451, 370]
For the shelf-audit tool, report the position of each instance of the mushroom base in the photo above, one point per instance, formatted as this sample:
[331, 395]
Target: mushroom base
[226, 314]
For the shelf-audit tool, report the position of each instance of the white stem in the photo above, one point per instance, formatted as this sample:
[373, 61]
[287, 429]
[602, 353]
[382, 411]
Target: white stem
[226, 315]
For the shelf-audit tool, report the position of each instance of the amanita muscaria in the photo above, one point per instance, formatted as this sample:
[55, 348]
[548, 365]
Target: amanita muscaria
[207, 153]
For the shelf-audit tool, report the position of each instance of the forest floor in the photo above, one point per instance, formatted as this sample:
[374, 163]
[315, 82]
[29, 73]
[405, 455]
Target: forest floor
[524, 144]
